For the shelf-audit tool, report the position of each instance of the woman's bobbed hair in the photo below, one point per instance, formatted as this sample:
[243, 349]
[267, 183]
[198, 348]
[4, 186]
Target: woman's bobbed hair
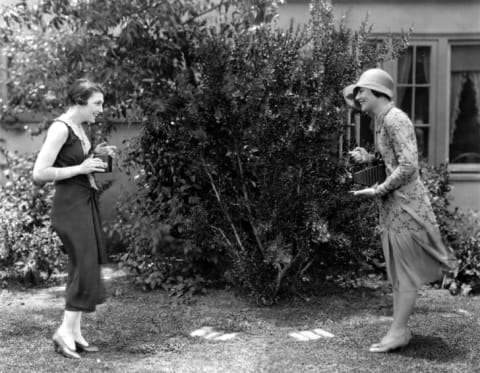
[81, 90]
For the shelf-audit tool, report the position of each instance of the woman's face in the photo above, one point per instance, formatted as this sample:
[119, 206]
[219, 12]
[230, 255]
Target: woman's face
[367, 100]
[93, 108]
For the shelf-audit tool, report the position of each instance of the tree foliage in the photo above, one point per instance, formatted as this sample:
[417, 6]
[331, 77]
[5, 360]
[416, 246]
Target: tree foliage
[137, 48]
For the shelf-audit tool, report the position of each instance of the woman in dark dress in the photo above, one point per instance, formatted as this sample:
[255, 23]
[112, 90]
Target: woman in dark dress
[66, 159]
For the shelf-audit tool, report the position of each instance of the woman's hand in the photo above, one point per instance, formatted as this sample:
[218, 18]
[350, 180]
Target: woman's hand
[104, 149]
[360, 155]
[92, 164]
[365, 193]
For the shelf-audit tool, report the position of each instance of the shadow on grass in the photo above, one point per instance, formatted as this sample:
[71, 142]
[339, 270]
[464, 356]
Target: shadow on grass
[433, 349]
[335, 304]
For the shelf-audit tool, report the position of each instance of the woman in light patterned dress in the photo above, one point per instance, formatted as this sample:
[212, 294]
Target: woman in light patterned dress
[412, 246]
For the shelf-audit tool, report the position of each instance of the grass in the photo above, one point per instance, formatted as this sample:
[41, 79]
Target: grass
[147, 332]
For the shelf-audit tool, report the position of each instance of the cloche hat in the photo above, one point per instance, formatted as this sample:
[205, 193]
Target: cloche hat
[376, 80]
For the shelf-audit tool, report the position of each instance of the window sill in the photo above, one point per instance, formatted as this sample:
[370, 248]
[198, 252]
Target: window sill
[464, 172]
[464, 168]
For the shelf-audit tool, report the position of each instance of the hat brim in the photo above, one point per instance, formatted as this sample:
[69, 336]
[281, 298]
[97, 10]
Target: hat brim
[375, 88]
[349, 96]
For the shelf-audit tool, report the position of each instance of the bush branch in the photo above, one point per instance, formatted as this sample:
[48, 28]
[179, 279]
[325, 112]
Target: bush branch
[222, 206]
[247, 204]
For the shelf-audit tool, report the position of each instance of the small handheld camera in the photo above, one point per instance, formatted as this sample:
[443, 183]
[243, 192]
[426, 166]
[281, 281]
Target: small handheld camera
[107, 159]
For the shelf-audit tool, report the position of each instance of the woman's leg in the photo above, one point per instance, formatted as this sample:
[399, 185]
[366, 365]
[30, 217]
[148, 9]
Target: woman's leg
[395, 302]
[395, 295]
[403, 305]
[398, 335]
[77, 332]
[404, 308]
[66, 329]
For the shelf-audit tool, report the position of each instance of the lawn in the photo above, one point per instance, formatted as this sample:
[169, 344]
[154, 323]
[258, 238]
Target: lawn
[148, 332]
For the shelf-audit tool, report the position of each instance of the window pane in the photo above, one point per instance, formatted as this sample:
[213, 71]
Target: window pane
[405, 67]
[465, 131]
[421, 105]
[404, 98]
[422, 141]
[422, 68]
[465, 58]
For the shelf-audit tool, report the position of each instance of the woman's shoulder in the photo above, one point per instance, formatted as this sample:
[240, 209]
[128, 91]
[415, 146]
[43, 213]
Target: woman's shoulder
[57, 125]
[58, 129]
[396, 113]
[397, 117]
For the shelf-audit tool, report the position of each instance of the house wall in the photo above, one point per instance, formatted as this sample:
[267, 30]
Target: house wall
[389, 16]
[430, 17]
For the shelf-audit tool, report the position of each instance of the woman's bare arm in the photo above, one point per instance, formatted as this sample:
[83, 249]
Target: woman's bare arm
[43, 170]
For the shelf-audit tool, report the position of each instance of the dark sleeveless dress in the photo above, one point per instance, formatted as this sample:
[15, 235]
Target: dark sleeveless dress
[76, 219]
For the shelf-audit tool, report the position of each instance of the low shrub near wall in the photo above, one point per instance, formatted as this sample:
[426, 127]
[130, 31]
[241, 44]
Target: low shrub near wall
[29, 250]
[463, 234]
[460, 231]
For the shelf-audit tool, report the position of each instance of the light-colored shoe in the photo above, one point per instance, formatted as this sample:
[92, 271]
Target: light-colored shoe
[392, 344]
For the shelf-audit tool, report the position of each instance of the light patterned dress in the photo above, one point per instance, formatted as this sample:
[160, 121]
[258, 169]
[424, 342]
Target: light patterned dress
[412, 245]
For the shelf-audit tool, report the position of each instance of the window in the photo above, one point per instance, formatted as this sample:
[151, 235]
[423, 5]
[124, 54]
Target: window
[464, 130]
[414, 90]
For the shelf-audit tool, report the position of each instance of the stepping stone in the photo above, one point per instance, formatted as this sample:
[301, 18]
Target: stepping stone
[457, 313]
[226, 337]
[464, 312]
[449, 314]
[311, 335]
[323, 333]
[210, 333]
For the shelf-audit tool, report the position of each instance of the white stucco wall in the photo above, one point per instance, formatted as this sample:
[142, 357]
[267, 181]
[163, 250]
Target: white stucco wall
[427, 16]
[421, 16]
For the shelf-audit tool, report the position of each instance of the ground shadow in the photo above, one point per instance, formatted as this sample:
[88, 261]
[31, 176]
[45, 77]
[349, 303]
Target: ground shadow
[335, 304]
[434, 349]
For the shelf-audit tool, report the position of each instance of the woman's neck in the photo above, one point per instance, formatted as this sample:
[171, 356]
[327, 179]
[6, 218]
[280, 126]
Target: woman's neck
[382, 103]
[73, 116]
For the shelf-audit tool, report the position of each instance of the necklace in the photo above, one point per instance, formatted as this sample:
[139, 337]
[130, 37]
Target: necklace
[79, 132]
[84, 141]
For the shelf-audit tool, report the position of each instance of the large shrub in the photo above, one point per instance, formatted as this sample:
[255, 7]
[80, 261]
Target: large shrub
[241, 176]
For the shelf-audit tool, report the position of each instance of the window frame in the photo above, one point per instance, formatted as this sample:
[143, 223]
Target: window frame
[392, 67]
[457, 168]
